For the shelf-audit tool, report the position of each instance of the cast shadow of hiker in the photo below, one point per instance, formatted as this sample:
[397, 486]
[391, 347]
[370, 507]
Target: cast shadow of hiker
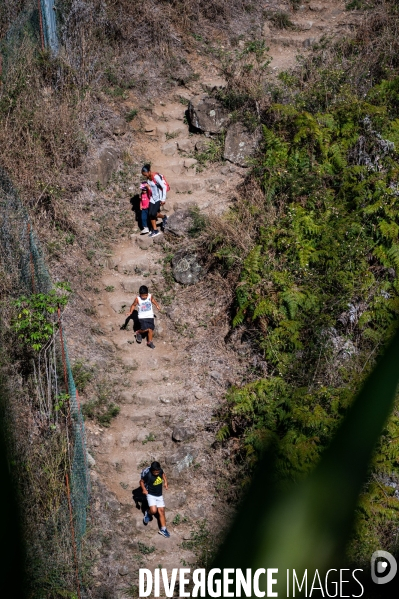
[140, 499]
[135, 204]
[141, 503]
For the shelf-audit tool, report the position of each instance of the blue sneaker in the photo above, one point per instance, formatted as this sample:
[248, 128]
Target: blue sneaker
[164, 532]
[147, 518]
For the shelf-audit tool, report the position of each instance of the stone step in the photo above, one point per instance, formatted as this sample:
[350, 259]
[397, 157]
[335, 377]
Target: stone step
[169, 148]
[298, 41]
[136, 266]
[170, 111]
[171, 128]
[187, 145]
[132, 285]
[186, 185]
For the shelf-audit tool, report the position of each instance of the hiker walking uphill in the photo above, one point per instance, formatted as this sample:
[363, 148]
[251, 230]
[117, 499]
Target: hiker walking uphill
[151, 482]
[157, 188]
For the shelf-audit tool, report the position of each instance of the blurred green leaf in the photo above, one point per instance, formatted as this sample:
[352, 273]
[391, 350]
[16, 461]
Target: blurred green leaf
[309, 525]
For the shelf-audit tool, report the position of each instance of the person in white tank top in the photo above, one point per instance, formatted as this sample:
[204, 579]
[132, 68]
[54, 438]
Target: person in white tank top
[144, 304]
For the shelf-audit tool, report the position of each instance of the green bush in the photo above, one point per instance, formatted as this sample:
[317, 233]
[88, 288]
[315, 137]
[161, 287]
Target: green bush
[36, 320]
[82, 375]
[318, 292]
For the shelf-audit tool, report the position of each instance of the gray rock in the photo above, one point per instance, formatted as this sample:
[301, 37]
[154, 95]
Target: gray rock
[123, 570]
[103, 165]
[199, 395]
[207, 114]
[240, 144]
[180, 223]
[182, 459]
[118, 126]
[186, 145]
[90, 460]
[144, 242]
[185, 267]
[182, 433]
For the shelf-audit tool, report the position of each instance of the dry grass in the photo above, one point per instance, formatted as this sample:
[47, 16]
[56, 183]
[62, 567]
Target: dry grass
[378, 38]
[41, 138]
[361, 60]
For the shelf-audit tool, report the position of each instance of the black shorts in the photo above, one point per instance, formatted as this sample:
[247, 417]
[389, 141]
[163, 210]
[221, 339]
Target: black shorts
[146, 323]
[154, 209]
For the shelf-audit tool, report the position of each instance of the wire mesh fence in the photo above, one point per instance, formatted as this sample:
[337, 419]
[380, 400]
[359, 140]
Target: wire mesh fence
[57, 543]
[22, 259]
[38, 21]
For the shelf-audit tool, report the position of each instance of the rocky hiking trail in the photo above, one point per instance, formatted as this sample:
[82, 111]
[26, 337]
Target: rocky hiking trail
[168, 397]
[171, 392]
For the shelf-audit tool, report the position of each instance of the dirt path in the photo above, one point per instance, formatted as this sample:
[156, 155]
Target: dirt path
[171, 392]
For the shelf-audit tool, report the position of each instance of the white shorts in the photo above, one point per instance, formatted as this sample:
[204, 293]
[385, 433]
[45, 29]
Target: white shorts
[155, 501]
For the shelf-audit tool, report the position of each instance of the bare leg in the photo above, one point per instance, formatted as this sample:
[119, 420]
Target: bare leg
[153, 510]
[162, 518]
[142, 332]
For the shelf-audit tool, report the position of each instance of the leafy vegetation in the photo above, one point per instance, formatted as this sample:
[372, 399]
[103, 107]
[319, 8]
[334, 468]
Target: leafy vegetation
[318, 292]
[102, 408]
[82, 375]
[145, 549]
[35, 323]
[307, 526]
[202, 543]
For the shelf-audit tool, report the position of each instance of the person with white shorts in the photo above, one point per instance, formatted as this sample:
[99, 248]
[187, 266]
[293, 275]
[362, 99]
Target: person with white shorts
[151, 483]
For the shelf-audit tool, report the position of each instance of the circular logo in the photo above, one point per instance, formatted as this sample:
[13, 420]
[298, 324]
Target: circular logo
[383, 567]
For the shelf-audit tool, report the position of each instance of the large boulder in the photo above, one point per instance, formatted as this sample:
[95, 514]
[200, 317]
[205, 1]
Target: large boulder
[240, 144]
[180, 223]
[103, 165]
[207, 114]
[183, 458]
[186, 267]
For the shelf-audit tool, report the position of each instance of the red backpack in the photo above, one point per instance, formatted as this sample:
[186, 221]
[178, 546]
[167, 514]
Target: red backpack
[164, 181]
